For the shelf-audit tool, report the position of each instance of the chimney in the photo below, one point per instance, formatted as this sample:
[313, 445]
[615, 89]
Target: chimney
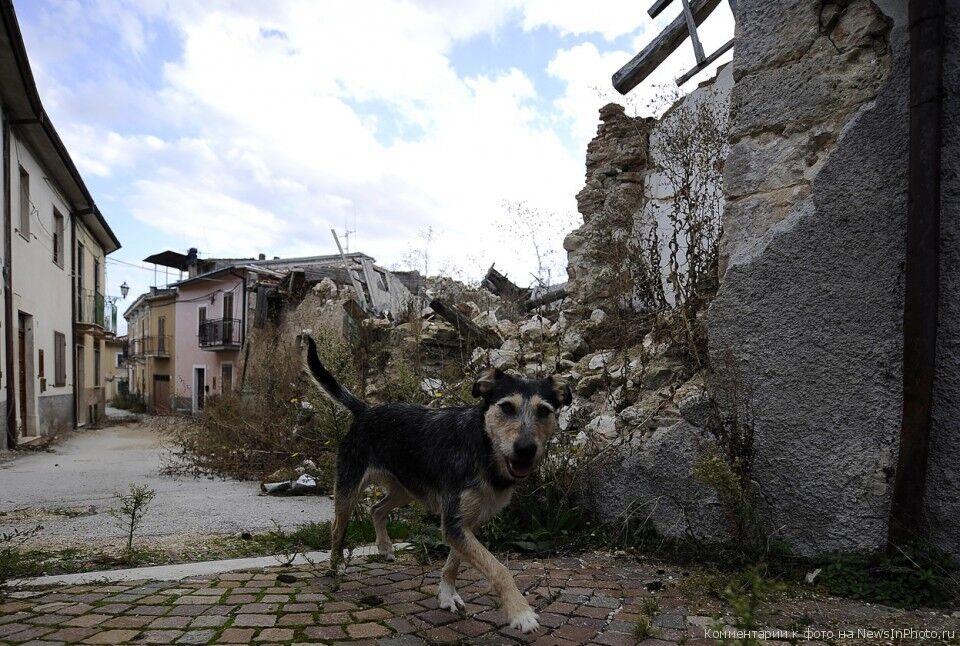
[192, 262]
[262, 256]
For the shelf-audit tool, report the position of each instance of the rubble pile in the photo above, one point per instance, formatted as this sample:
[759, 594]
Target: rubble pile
[639, 409]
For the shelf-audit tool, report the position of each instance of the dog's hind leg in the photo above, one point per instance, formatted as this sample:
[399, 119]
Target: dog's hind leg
[351, 478]
[448, 598]
[396, 497]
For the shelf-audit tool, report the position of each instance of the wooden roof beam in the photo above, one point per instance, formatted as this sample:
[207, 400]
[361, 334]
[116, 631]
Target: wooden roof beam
[641, 65]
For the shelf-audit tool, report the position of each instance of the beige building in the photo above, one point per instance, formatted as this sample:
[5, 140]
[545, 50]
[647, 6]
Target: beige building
[151, 331]
[116, 375]
[95, 319]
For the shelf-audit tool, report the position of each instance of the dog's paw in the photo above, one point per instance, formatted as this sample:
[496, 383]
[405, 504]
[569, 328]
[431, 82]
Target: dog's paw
[336, 569]
[448, 599]
[526, 622]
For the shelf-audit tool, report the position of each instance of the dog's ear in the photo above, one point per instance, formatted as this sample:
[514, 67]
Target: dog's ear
[561, 388]
[485, 381]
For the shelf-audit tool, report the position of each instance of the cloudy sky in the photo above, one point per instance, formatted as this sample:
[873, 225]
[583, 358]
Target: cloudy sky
[241, 127]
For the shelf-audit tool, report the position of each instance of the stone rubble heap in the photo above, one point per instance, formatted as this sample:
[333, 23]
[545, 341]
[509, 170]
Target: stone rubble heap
[640, 406]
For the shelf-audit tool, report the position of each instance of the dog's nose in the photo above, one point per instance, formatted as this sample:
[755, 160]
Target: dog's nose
[524, 449]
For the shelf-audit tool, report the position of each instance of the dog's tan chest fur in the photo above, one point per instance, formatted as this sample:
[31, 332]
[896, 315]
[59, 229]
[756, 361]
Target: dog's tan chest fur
[483, 503]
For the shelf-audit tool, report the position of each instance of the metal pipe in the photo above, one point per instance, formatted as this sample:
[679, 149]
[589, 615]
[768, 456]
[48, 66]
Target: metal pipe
[921, 267]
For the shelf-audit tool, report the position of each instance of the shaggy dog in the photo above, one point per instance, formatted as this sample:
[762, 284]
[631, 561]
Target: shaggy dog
[461, 463]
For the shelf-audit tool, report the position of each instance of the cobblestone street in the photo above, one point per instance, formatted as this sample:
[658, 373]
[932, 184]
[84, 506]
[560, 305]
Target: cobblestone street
[594, 599]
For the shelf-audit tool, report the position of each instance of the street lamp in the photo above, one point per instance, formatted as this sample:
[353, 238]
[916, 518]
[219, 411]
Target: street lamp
[124, 289]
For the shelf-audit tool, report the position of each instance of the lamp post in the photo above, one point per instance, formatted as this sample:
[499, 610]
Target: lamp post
[112, 302]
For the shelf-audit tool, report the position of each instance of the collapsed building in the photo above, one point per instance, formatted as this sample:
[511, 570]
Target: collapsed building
[806, 302]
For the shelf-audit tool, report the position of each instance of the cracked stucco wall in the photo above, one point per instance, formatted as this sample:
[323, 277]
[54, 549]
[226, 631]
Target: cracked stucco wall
[811, 295]
[943, 475]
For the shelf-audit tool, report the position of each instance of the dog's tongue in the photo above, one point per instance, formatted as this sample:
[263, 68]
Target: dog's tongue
[520, 469]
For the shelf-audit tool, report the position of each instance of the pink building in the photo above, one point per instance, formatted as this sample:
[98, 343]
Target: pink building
[211, 325]
[216, 307]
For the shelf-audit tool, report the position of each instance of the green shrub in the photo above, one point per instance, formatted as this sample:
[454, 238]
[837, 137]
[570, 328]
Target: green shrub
[749, 531]
[913, 577]
[745, 594]
[13, 562]
[129, 515]
[278, 421]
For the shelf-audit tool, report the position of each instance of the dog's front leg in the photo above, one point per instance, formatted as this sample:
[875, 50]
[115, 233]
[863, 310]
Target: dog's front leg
[462, 540]
[448, 598]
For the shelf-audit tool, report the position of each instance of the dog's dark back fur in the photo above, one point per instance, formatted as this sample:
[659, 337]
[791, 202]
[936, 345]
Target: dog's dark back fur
[426, 449]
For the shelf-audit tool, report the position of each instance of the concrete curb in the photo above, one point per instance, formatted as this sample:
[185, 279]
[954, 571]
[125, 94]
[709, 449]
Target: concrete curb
[185, 570]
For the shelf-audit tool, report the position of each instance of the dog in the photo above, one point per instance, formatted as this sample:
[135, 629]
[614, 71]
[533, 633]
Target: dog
[462, 463]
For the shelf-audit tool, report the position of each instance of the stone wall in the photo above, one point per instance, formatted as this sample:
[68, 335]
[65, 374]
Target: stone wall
[617, 160]
[646, 470]
[811, 297]
[625, 174]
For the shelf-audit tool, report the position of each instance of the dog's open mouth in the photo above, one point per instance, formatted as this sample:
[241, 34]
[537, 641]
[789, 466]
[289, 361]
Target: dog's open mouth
[519, 470]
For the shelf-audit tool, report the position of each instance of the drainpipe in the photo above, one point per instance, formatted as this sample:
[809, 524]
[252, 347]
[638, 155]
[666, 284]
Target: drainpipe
[921, 268]
[72, 344]
[8, 291]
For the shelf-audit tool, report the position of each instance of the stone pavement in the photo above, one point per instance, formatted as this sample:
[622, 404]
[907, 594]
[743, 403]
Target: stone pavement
[593, 599]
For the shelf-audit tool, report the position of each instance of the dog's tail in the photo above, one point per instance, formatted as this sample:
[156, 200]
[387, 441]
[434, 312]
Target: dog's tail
[328, 382]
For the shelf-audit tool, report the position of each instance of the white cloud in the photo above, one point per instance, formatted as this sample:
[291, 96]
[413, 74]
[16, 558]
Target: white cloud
[586, 73]
[611, 18]
[273, 122]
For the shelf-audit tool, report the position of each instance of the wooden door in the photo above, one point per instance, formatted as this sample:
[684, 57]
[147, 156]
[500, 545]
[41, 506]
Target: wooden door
[226, 378]
[81, 388]
[227, 323]
[161, 393]
[200, 383]
[22, 336]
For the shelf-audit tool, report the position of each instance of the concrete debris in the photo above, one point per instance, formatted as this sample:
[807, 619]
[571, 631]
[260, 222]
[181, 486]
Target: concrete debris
[304, 485]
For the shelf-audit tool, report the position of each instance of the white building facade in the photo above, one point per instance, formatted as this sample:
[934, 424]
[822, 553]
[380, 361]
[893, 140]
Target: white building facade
[49, 337]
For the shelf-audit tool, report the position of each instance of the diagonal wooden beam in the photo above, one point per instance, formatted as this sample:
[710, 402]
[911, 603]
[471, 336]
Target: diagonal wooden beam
[641, 65]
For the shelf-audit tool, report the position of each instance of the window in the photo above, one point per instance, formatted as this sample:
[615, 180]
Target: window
[57, 238]
[41, 372]
[80, 281]
[228, 305]
[24, 203]
[201, 324]
[119, 360]
[161, 335]
[96, 366]
[59, 359]
[96, 275]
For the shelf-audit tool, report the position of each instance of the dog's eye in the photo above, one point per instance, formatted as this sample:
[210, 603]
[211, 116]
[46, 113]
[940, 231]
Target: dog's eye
[543, 411]
[508, 408]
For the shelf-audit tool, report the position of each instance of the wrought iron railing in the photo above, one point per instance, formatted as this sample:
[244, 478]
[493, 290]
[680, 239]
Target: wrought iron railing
[219, 333]
[90, 307]
[151, 346]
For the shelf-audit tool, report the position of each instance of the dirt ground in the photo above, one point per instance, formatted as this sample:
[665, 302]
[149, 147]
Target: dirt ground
[69, 488]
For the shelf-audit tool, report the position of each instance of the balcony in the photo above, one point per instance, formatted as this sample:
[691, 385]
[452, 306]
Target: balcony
[90, 309]
[95, 313]
[150, 346]
[219, 334]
